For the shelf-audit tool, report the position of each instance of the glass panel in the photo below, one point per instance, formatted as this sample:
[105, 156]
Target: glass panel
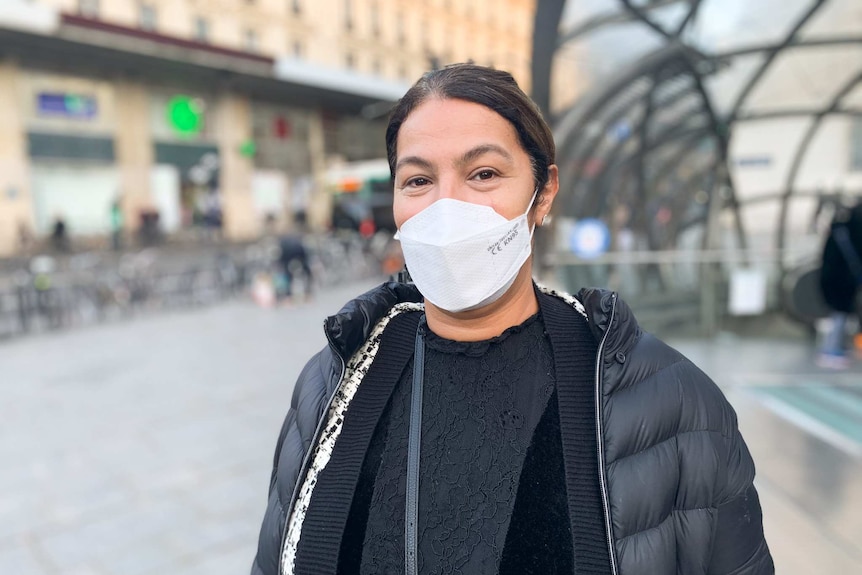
[826, 161]
[577, 12]
[856, 145]
[836, 18]
[799, 236]
[670, 17]
[725, 86]
[853, 99]
[762, 153]
[730, 24]
[805, 78]
[688, 104]
[609, 50]
[760, 222]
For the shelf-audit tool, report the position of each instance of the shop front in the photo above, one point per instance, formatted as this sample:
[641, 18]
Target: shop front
[185, 177]
[72, 161]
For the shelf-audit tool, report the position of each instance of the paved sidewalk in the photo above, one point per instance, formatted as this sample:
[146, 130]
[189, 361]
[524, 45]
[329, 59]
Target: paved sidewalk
[145, 447]
[803, 425]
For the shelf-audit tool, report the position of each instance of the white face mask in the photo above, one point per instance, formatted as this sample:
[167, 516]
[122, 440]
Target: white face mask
[463, 256]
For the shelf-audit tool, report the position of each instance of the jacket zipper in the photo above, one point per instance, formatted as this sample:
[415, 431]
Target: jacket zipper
[306, 460]
[600, 436]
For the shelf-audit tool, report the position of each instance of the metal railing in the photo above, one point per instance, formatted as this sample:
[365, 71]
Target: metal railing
[47, 293]
[691, 291]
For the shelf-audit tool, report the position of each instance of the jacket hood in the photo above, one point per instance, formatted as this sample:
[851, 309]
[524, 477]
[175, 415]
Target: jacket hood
[609, 314]
[350, 327]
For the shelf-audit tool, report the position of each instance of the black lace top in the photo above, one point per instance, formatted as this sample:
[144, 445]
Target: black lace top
[484, 405]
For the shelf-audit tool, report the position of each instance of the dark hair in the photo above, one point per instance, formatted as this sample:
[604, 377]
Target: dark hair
[491, 88]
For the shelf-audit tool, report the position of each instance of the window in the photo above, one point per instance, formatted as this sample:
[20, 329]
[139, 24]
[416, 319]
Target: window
[250, 40]
[402, 71]
[88, 8]
[148, 17]
[349, 60]
[296, 6]
[376, 67]
[202, 29]
[856, 145]
[348, 14]
[399, 26]
[297, 49]
[375, 19]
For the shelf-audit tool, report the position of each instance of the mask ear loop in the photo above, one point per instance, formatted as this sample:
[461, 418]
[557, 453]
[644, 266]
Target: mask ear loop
[530, 207]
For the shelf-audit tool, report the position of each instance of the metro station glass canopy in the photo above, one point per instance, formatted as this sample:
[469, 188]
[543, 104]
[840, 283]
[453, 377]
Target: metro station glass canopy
[688, 105]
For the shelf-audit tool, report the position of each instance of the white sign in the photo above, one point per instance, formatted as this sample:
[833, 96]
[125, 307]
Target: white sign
[747, 292]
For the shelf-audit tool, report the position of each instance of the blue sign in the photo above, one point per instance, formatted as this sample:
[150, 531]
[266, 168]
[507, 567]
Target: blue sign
[590, 238]
[621, 131]
[753, 161]
[67, 105]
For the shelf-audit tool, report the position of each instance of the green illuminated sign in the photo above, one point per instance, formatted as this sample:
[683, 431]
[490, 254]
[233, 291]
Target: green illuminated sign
[186, 115]
[248, 149]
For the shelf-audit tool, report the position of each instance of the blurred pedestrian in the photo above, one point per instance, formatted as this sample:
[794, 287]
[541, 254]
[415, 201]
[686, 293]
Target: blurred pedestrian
[116, 225]
[294, 258]
[475, 422]
[60, 235]
[25, 237]
[841, 282]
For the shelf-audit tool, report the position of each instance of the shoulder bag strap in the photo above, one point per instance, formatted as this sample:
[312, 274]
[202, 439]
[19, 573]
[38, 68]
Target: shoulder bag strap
[411, 509]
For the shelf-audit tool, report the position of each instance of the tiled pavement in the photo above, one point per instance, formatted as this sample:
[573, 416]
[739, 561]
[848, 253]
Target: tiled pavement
[145, 447]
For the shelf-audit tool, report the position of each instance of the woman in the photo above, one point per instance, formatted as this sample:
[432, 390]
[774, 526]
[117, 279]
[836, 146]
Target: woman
[499, 427]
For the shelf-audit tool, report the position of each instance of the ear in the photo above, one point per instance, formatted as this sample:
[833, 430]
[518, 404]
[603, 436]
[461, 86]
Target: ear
[548, 193]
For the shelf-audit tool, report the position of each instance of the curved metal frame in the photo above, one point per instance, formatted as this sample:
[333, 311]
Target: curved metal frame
[802, 152]
[608, 19]
[771, 53]
[573, 128]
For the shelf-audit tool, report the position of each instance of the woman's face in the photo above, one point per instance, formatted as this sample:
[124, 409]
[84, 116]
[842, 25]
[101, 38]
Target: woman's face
[464, 151]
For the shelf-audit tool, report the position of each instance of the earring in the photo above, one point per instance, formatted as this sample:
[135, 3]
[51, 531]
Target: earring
[546, 220]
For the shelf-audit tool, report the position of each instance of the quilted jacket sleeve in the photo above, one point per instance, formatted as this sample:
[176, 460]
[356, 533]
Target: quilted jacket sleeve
[294, 440]
[739, 547]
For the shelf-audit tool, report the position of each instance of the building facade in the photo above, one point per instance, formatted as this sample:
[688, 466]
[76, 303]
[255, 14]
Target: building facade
[216, 112]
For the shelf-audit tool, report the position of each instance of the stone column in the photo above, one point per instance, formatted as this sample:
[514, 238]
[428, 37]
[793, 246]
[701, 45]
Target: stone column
[133, 143]
[16, 203]
[320, 203]
[234, 128]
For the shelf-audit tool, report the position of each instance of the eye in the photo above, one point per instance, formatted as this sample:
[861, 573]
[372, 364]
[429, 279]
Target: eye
[484, 175]
[417, 182]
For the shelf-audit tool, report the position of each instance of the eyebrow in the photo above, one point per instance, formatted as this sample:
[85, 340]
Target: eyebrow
[483, 149]
[466, 158]
[413, 161]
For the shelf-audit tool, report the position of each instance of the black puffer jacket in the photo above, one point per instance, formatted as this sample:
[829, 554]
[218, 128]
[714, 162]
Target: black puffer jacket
[677, 472]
